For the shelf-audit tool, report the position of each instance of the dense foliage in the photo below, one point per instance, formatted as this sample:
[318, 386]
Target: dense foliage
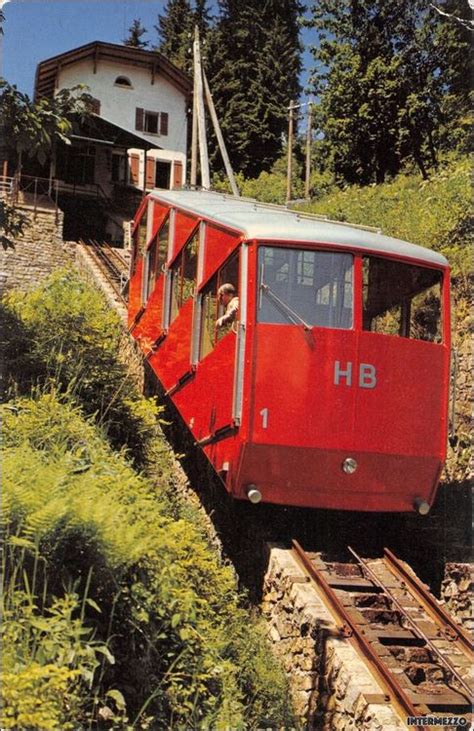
[393, 81]
[32, 128]
[73, 341]
[12, 224]
[254, 74]
[175, 28]
[117, 613]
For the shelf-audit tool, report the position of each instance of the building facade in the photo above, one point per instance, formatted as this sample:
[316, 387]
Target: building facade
[141, 94]
[134, 140]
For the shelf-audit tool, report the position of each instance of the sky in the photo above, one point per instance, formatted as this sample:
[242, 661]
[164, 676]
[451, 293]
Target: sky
[38, 29]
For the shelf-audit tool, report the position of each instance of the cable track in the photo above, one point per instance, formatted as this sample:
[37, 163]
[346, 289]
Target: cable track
[112, 265]
[421, 658]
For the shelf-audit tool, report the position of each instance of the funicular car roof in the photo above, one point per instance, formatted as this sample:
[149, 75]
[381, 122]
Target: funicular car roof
[277, 223]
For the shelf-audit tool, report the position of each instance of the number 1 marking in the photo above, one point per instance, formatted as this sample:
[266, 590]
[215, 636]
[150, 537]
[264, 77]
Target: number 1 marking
[264, 415]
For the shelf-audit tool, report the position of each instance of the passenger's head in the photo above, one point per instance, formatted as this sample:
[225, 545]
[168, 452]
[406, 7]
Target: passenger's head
[225, 293]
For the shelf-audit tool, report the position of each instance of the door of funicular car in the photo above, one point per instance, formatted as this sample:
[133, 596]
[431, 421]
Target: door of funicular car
[343, 380]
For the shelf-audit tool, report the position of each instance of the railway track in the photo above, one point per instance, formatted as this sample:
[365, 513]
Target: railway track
[421, 658]
[112, 264]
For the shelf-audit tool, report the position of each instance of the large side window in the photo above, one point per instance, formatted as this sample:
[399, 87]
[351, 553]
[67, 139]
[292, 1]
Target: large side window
[149, 271]
[298, 286]
[155, 259]
[208, 317]
[212, 309]
[183, 275]
[139, 238]
[402, 299]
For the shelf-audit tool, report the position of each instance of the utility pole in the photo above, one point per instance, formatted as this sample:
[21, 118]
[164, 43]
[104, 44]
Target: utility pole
[290, 153]
[308, 152]
[203, 155]
[220, 139]
[194, 137]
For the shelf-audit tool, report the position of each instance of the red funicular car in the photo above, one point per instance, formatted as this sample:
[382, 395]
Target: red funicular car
[330, 389]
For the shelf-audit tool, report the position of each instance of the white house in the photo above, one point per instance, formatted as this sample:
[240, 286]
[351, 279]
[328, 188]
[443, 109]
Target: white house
[139, 135]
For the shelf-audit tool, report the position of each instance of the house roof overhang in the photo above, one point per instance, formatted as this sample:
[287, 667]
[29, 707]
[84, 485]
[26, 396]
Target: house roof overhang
[97, 130]
[48, 70]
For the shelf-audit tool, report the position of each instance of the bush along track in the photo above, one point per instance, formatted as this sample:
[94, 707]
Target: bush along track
[117, 612]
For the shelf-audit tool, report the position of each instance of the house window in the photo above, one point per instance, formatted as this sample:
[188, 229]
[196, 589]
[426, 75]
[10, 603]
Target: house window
[123, 81]
[119, 168]
[76, 164]
[155, 259]
[151, 122]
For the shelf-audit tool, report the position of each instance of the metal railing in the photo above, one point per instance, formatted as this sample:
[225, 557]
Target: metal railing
[6, 186]
[35, 191]
[41, 191]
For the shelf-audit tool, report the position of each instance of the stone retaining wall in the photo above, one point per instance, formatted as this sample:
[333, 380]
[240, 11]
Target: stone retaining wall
[332, 688]
[36, 253]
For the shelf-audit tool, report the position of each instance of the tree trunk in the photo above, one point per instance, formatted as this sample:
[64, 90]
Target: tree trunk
[52, 169]
[418, 156]
[432, 149]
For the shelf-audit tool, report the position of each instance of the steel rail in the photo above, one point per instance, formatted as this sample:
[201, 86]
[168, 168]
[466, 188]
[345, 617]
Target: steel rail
[394, 690]
[104, 254]
[115, 255]
[452, 630]
[94, 252]
[444, 661]
[107, 268]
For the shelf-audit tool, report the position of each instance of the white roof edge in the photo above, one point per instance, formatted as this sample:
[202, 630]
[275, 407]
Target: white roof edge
[257, 220]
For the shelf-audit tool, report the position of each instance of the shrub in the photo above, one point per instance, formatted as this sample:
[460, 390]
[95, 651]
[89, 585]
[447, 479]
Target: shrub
[65, 332]
[185, 652]
[268, 187]
[12, 224]
[48, 660]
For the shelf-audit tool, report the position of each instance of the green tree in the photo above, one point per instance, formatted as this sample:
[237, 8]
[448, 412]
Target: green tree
[33, 128]
[12, 224]
[383, 72]
[175, 31]
[135, 33]
[254, 74]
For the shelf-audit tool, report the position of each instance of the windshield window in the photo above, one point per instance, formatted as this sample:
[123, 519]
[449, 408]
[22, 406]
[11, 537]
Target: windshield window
[402, 299]
[302, 286]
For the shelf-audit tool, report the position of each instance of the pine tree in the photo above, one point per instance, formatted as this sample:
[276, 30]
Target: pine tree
[254, 71]
[135, 33]
[175, 31]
